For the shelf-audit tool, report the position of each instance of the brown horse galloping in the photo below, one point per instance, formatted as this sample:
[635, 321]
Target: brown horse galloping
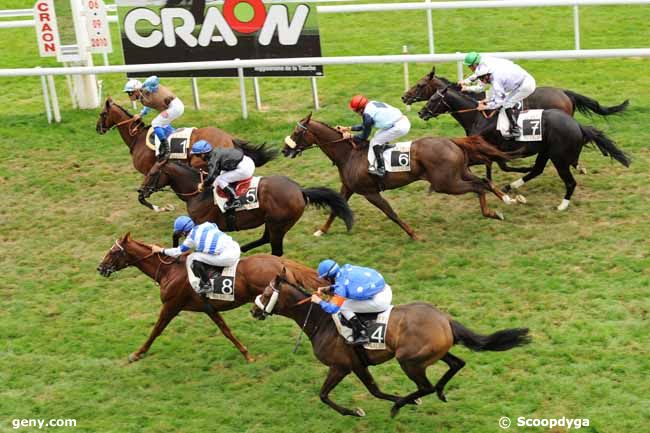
[418, 335]
[134, 133]
[176, 294]
[282, 203]
[443, 162]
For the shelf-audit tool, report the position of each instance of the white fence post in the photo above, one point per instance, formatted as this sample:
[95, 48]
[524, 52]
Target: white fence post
[314, 93]
[46, 98]
[430, 29]
[576, 26]
[55, 99]
[242, 91]
[195, 94]
[405, 50]
[460, 68]
[256, 92]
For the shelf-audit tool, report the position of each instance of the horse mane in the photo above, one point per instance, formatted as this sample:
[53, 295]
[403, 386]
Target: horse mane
[478, 150]
[303, 275]
[128, 113]
[326, 125]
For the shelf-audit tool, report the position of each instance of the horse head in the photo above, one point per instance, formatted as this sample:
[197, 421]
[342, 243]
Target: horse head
[300, 139]
[117, 257]
[278, 297]
[436, 105]
[105, 121]
[423, 89]
[113, 115]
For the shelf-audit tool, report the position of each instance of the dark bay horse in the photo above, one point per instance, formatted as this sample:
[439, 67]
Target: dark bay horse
[542, 97]
[253, 275]
[134, 133]
[562, 137]
[418, 335]
[442, 162]
[282, 203]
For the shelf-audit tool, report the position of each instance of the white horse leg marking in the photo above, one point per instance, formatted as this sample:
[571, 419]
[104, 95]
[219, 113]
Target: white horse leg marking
[517, 183]
[564, 205]
[318, 233]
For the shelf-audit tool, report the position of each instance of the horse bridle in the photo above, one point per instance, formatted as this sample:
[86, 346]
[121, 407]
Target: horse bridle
[267, 310]
[426, 108]
[125, 254]
[316, 142]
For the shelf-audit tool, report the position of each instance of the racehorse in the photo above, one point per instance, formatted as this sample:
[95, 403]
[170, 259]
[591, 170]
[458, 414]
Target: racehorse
[418, 335]
[282, 202]
[253, 275]
[440, 161]
[134, 133]
[562, 137]
[542, 97]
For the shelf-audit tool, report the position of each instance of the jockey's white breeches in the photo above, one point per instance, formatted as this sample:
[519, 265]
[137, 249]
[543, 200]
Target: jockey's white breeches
[383, 136]
[378, 303]
[522, 92]
[173, 112]
[225, 258]
[244, 170]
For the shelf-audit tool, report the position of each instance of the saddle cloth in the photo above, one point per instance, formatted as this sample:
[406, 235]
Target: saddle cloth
[221, 279]
[529, 122]
[397, 157]
[376, 323]
[247, 188]
[179, 141]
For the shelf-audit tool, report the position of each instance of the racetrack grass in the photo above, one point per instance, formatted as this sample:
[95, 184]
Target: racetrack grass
[578, 279]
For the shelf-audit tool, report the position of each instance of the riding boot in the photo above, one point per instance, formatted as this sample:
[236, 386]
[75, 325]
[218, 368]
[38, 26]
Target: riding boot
[379, 169]
[200, 270]
[233, 201]
[163, 150]
[514, 128]
[359, 331]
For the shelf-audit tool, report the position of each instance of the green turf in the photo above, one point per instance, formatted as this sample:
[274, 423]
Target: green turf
[578, 279]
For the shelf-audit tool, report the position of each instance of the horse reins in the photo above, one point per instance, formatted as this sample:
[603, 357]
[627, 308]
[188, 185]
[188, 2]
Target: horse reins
[160, 260]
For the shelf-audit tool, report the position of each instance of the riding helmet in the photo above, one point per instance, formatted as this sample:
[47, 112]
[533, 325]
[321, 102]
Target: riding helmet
[472, 58]
[328, 268]
[183, 224]
[358, 102]
[200, 147]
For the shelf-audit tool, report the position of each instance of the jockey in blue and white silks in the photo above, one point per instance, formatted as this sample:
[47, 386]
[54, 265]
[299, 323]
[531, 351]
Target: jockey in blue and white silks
[210, 245]
[152, 95]
[354, 289]
[389, 121]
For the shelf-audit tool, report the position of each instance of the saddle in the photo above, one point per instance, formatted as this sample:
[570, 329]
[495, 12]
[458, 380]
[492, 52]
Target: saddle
[240, 187]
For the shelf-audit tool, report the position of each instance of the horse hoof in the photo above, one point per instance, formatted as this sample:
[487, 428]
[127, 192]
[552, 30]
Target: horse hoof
[394, 411]
[134, 357]
[564, 205]
[155, 208]
[521, 199]
[417, 401]
[507, 200]
[582, 170]
[318, 233]
[359, 412]
[169, 207]
[499, 215]
[250, 359]
[506, 188]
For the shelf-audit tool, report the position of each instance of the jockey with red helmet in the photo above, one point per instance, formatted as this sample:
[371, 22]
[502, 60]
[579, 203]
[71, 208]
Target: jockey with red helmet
[389, 121]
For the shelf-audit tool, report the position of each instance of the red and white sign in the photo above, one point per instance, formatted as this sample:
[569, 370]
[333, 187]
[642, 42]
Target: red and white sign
[99, 36]
[47, 32]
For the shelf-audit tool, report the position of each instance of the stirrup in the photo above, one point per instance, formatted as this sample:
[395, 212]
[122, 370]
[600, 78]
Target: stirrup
[381, 172]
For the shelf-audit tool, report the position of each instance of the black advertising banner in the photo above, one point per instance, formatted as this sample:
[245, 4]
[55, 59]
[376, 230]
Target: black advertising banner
[155, 31]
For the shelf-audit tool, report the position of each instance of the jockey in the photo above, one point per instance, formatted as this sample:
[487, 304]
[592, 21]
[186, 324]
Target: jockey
[355, 290]
[390, 121]
[153, 95]
[210, 246]
[225, 166]
[511, 84]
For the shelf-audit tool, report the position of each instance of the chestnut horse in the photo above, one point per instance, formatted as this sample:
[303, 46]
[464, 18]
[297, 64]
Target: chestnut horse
[176, 294]
[134, 133]
[542, 97]
[282, 203]
[443, 162]
[418, 335]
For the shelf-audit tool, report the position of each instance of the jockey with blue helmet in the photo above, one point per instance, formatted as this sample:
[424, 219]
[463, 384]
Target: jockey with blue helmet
[211, 246]
[354, 289]
[226, 166]
[389, 121]
[511, 84]
[152, 94]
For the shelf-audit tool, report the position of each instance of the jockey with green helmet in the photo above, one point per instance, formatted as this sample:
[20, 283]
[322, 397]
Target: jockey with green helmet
[511, 84]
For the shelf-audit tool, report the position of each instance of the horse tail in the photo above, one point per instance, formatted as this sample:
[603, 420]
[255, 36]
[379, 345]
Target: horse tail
[498, 341]
[587, 105]
[259, 154]
[321, 197]
[477, 150]
[605, 145]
